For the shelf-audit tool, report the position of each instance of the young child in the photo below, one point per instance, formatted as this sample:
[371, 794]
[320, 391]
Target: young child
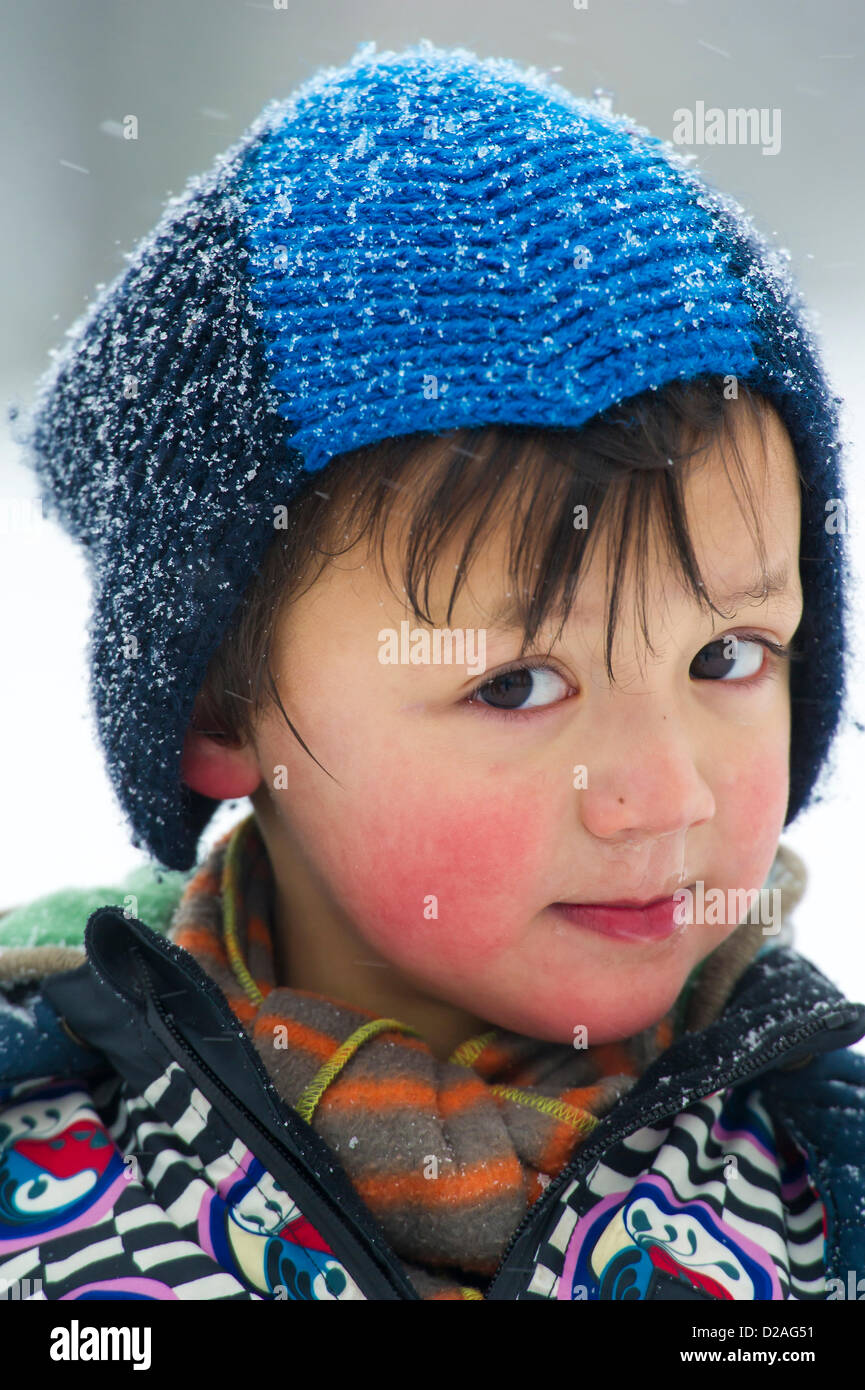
[401, 454]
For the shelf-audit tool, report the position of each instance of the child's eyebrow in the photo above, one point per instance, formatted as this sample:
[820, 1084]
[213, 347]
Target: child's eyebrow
[506, 617]
[775, 585]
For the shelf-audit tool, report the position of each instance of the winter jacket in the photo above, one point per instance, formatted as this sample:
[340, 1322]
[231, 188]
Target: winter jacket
[145, 1154]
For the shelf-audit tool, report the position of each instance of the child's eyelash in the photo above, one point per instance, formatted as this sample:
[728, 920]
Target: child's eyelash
[783, 652]
[529, 664]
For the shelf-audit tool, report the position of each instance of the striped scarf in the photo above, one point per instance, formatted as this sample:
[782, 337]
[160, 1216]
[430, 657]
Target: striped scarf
[448, 1155]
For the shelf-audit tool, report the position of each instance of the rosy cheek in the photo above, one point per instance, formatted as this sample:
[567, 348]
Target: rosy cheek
[457, 868]
[753, 816]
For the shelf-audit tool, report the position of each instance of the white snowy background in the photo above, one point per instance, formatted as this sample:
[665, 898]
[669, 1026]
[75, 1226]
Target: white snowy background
[74, 196]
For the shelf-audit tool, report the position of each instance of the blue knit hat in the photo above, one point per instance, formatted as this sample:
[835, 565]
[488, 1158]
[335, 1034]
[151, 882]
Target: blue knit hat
[410, 216]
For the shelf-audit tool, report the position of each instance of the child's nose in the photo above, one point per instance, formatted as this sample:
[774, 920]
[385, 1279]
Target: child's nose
[643, 779]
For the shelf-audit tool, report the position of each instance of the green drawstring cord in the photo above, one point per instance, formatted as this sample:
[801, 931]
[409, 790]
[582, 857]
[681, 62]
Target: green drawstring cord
[230, 872]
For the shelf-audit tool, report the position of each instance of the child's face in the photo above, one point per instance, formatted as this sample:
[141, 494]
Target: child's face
[445, 802]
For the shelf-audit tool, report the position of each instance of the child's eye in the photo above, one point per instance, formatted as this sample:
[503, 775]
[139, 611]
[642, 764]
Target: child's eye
[718, 660]
[523, 687]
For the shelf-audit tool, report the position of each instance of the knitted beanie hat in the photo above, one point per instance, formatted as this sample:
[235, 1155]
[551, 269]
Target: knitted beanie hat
[410, 215]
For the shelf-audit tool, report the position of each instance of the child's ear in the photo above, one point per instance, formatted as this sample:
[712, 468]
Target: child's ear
[218, 769]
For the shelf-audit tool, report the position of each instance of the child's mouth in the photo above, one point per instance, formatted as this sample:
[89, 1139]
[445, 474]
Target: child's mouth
[653, 921]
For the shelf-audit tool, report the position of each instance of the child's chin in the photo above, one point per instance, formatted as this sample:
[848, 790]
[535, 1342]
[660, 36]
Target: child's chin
[594, 1024]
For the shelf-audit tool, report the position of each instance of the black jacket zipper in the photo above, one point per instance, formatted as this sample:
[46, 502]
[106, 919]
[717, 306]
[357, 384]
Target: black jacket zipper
[609, 1133]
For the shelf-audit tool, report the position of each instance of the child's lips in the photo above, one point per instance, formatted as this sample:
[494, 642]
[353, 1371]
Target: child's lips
[653, 921]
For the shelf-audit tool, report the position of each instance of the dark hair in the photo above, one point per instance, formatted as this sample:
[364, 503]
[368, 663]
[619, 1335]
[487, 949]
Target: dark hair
[618, 466]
